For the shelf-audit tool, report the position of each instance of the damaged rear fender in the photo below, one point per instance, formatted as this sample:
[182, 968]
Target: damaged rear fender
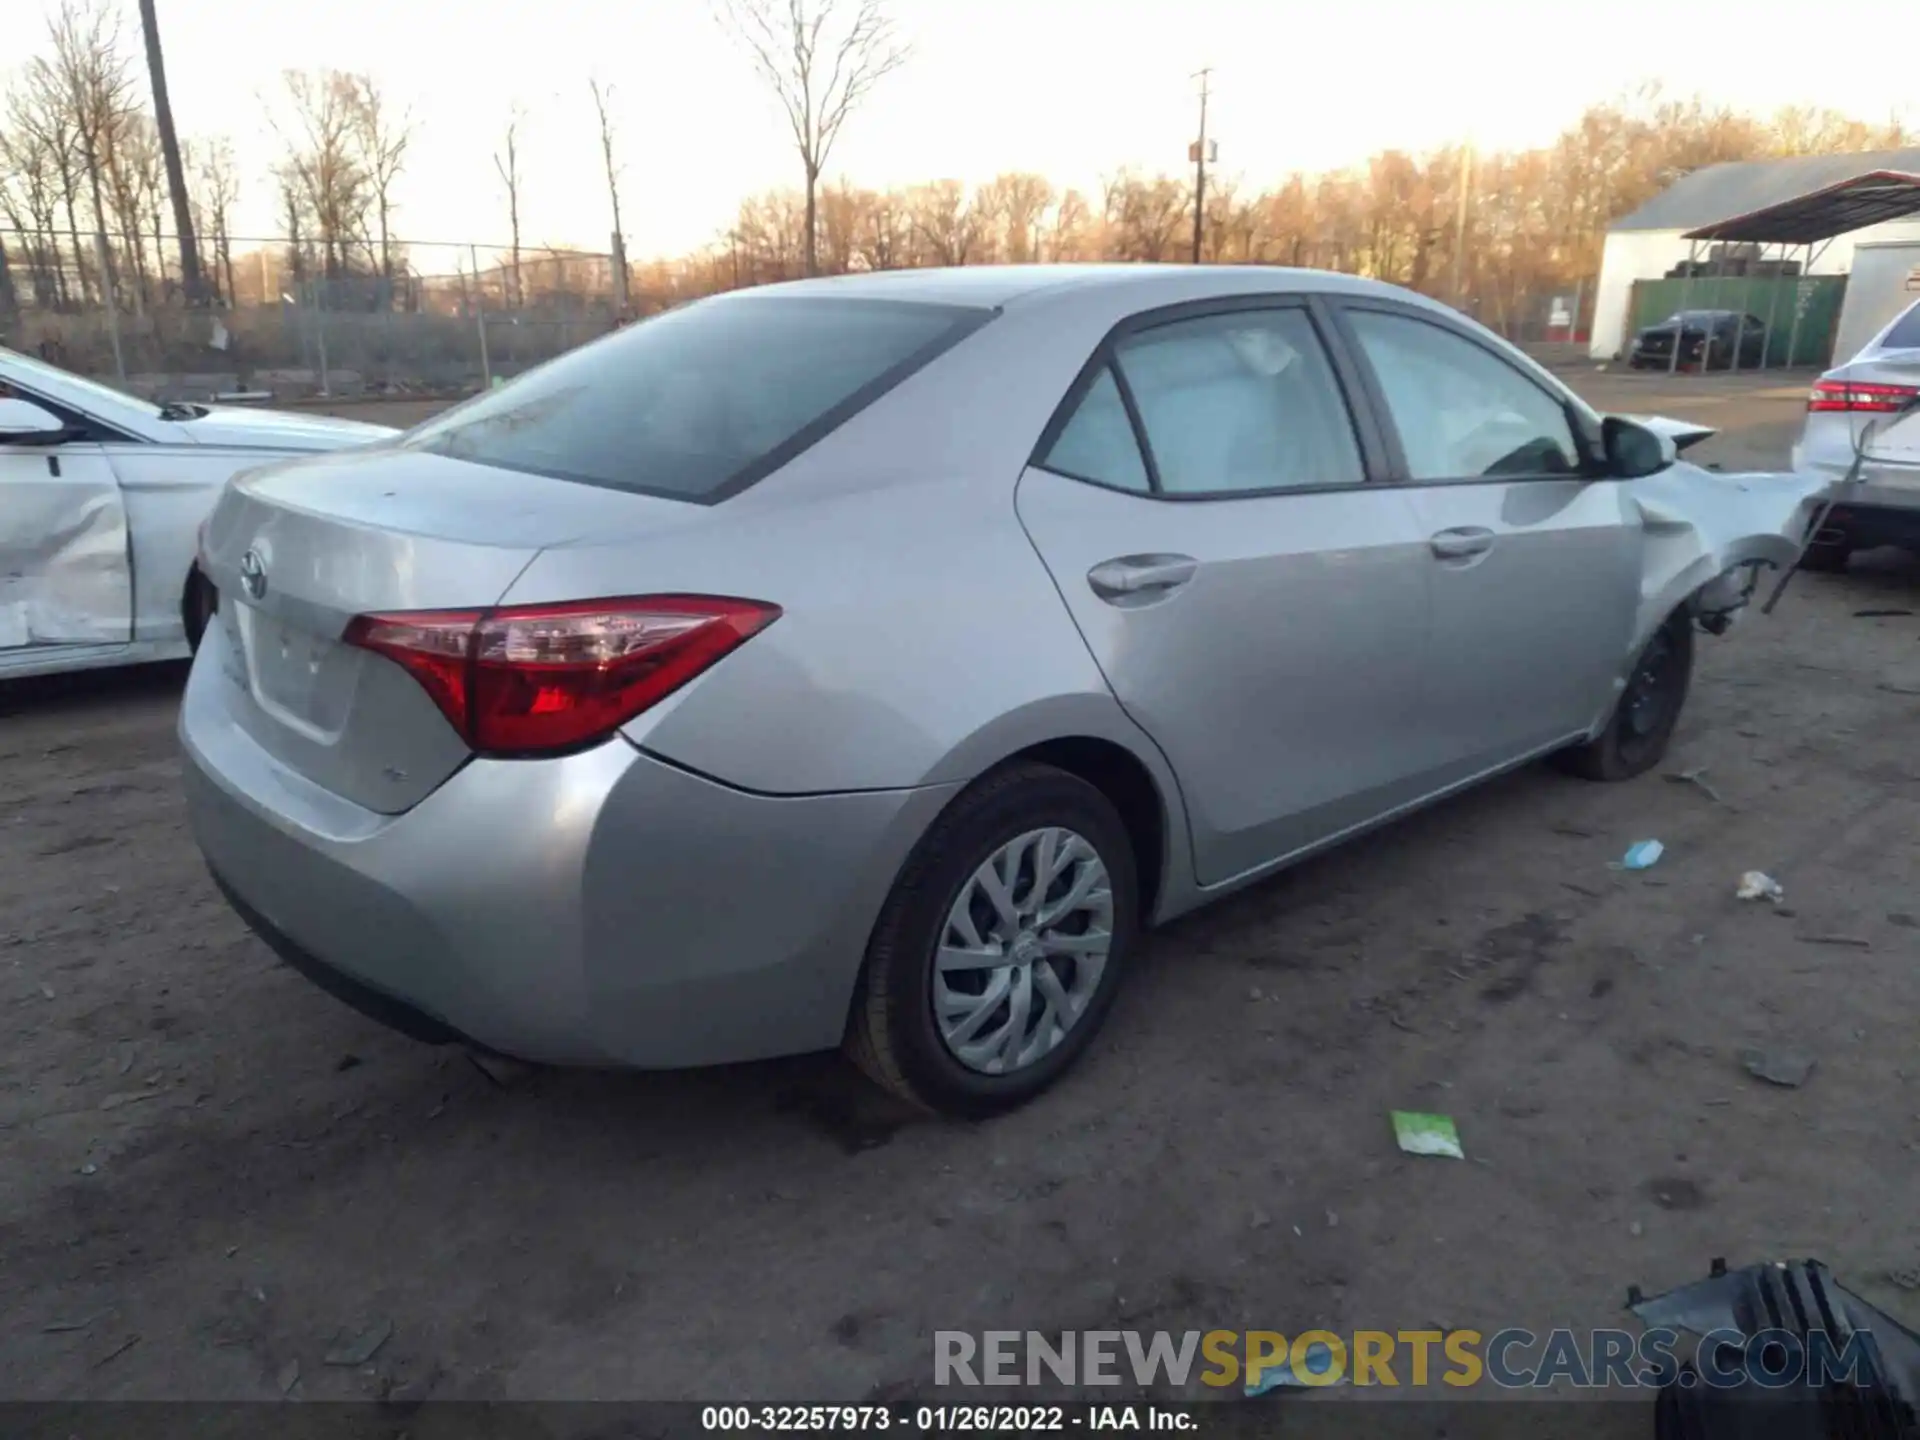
[1705, 531]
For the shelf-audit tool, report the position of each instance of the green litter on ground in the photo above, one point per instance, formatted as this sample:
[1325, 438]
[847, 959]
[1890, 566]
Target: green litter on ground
[1420, 1134]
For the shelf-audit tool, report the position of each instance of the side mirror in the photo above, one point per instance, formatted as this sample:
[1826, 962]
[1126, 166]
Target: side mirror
[24, 423]
[1634, 450]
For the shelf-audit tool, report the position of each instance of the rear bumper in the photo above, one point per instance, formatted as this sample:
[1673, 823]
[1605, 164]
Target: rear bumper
[389, 1010]
[601, 909]
[1882, 508]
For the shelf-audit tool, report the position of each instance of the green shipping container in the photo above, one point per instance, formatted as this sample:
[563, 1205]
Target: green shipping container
[1817, 298]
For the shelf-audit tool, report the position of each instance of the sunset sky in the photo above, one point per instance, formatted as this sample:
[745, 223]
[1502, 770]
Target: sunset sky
[1073, 90]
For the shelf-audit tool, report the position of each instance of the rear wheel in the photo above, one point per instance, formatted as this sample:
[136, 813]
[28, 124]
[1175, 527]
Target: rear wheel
[1642, 724]
[998, 955]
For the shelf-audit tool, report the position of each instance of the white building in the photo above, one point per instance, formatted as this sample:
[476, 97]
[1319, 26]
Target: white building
[1648, 243]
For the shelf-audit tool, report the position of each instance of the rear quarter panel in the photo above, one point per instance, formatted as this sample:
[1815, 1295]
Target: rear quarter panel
[921, 641]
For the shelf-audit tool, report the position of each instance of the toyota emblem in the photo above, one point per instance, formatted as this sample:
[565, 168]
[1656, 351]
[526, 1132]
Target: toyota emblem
[253, 574]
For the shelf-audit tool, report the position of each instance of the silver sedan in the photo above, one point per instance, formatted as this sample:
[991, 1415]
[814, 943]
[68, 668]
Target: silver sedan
[100, 497]
[1867, 412]
[866, 661]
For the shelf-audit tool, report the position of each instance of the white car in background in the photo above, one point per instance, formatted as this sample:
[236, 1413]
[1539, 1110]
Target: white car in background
[101, 499]
[1879, 387]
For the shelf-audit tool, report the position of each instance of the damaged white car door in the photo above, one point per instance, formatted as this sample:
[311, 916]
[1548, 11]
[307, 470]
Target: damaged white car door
[66, 574]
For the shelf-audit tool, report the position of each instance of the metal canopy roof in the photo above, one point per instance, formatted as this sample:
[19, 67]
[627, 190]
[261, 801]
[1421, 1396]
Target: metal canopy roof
[1851, 204]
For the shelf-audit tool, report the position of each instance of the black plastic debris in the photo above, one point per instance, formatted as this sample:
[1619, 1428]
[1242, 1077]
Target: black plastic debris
[1781, 1351]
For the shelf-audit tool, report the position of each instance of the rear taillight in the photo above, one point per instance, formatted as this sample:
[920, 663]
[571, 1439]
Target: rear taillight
[536, 679]
[1859, 397]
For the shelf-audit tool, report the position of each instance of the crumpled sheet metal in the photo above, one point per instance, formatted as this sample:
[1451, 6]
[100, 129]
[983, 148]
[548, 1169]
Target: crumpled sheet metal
[64, 572]
[1701, 524]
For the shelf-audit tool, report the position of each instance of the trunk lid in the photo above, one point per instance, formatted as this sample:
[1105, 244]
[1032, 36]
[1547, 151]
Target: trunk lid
[1896, 440]
[297, 550]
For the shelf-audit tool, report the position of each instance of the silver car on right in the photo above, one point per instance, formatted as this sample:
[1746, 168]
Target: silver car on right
[1873, 389]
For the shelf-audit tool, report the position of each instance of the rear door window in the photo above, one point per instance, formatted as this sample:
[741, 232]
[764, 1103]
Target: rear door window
[697, 403]
[1098, 443]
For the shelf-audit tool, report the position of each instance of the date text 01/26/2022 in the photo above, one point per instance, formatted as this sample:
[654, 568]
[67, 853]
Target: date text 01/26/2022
[937, 1419]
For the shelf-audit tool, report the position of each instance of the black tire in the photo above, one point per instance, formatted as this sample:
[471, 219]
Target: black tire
[1641, 726]
[197, 603]
[1827, 557]
[892, 1035]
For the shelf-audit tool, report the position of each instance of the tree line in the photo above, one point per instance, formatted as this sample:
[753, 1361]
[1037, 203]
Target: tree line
[86, 151]
[1497, 233]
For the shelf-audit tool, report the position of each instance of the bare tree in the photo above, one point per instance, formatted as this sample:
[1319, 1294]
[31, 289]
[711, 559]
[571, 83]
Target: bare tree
[507, 161]
[1014, 205]
[190, 281]
[135, 182]
[95, 82]
[218, 189]
[292, 208]
[383, 138]
[33, 182]
[949, 224]
[1144, 215]
[820, 58]
[38, 110]
[325, 169]
[602, 94]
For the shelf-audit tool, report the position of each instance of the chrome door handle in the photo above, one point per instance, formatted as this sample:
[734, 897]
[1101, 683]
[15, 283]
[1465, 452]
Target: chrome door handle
[1139, 576]
[1461, 543]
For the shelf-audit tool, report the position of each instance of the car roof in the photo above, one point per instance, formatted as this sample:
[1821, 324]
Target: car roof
[1002, 286]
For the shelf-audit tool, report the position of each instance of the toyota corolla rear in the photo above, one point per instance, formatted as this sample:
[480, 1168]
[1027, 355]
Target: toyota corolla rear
[416, 727]
[1868, 403]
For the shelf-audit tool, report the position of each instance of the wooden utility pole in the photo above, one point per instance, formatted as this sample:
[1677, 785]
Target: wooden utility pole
[190, 277]
[1204, 76]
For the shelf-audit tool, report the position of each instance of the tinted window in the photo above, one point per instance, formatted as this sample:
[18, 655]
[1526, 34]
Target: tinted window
[693, 399]
[1460, 410]
[1905, 331]
[1240, 402]
[1097, 443]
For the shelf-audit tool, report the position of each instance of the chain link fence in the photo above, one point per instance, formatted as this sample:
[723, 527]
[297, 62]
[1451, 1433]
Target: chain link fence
[292, 318]
[295, 319]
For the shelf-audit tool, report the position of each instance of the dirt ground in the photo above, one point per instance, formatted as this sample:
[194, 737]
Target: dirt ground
[211, 1173]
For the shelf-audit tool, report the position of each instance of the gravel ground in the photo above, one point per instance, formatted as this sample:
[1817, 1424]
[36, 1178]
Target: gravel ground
[211, 1173]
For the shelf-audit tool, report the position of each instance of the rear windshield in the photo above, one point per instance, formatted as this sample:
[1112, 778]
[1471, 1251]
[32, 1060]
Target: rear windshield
[699, 402]
[1905, 332]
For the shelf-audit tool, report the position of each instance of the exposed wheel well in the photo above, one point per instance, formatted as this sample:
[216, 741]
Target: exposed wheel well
[1110, 769]
[198, 599]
